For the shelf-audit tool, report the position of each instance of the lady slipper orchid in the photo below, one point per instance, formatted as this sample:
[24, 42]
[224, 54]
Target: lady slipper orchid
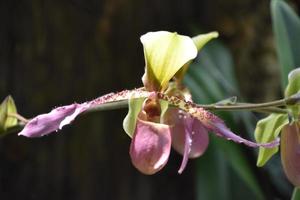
[161, 114]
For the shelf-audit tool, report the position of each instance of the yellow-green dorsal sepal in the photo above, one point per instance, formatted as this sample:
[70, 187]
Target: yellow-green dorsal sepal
[165, 54]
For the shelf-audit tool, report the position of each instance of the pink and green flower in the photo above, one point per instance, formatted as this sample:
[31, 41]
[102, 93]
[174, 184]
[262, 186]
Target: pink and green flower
[161, 114]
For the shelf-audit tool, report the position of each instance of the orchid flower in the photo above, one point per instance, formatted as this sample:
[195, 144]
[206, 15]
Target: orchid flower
[161, 114]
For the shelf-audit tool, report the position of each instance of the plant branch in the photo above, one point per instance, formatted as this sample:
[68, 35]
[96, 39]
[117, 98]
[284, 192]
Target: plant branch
[267, 107]
[289, 101]
[108, 106]
[18, 117]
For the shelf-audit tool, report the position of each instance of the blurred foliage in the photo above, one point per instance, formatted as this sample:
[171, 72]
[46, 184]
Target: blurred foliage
[286, 26]
[215, 63]
[225, 158]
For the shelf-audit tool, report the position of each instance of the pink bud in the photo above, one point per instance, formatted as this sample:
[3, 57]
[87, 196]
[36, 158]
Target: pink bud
[290, 153]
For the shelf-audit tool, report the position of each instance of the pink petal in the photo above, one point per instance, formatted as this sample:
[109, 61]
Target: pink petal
[46, 123]
[189, 137]
[290, 153]
[213, 123]
[199, 137]
[187, 148]
[221, 130]
[150, 146]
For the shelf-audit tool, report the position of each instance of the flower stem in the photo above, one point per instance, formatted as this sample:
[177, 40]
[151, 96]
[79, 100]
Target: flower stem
[267, 107]
[19, 117]
[109, 106]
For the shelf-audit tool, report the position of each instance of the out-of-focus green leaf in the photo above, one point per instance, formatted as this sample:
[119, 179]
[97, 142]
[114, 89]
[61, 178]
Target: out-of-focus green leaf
[213, 175]
[267, 130]
[7, 107]
[212, 88]
[210, 79]
[199, 94]
[134, 108]
[213, 181]
[239, 162]
[213, 73]
[286, 26]
[296, 194]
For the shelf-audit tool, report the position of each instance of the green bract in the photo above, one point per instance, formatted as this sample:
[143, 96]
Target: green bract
[270, 127]
[292, 88]
[202, 39]
[134, 108]
[7, 107]
[267, 130]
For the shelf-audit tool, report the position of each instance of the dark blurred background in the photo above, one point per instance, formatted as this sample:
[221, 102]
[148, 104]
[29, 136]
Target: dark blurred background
[55, 52]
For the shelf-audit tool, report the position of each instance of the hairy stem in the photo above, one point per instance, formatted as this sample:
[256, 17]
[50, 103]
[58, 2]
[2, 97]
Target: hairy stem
[268, 107]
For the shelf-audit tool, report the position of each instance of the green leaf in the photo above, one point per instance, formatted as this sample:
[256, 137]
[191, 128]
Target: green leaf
[267, 130]
[214, 171]
[7, 107]
[134, 108]
[165, 53]
[212, 175]
[286, 26]
[296, 194]
[241, 166]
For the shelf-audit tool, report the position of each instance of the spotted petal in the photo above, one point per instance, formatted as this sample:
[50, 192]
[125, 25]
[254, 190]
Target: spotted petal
[150, 146]
[211, 122]
[165, 53]
[221, 130]
[189, 137]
